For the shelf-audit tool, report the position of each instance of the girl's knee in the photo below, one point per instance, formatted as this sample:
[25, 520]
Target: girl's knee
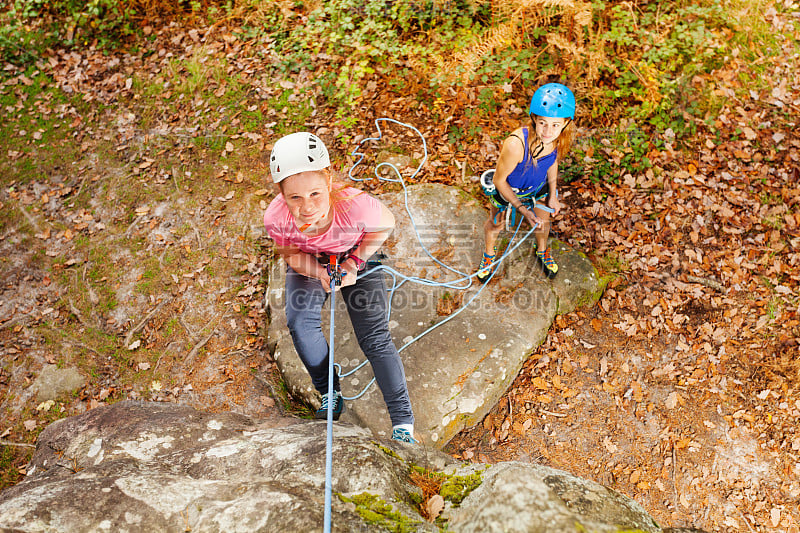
[378, 344]
[300, 321]
[491, 227]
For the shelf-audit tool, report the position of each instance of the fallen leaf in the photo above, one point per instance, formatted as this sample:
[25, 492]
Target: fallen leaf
[135, 344]
[672, 400]
[540, 383]
[45, 406]
[143, 366]
[684, 500]
[434, 506]
[266, 401]
[609, 444]
[638, 394]
[775, 517]
[30, 425]
[246, 292]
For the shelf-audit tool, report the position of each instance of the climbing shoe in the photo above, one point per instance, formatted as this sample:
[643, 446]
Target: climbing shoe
[548, 263]
[338, 407]
[486, 268]
[403, 435]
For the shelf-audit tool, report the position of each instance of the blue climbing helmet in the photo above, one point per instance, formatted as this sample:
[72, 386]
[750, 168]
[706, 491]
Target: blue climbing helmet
[553, 100]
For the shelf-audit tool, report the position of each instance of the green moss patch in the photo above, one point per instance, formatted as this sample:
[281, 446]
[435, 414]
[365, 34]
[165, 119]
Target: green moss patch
[373, 510]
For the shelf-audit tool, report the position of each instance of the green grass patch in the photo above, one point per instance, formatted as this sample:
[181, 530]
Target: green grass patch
[12, 458]
[612, 262]
[35, 135]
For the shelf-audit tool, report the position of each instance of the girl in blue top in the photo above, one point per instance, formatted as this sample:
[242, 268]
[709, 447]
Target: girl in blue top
[527, 171]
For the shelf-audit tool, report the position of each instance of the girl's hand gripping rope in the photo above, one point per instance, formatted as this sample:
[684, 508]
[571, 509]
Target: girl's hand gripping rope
[554, 204]
[530, 215]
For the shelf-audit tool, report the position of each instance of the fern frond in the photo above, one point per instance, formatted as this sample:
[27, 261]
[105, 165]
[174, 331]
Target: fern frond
[499, 37]
[520, 17]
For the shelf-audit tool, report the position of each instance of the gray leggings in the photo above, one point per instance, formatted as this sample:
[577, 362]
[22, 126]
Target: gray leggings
[366, 304]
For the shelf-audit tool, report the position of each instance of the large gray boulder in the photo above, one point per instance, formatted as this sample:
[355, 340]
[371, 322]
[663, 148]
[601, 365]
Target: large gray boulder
[143, 466]
[457, 372]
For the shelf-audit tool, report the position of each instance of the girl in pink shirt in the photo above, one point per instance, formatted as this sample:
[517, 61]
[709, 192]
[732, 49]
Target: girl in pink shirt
[309, 221]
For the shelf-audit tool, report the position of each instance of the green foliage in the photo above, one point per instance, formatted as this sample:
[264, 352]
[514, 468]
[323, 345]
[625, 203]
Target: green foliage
[82, 20]
[359, 38]
[380, 27]
[18, 44]
[654, 50]
[610, 154]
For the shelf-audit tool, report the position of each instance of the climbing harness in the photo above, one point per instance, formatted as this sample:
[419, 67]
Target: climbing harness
[489, 189]
[334, 270]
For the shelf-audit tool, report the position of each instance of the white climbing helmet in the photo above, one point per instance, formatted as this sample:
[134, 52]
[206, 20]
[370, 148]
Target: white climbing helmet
[296, 153]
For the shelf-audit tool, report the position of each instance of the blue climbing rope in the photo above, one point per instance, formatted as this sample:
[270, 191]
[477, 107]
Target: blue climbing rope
[334, 271]
[463, 282]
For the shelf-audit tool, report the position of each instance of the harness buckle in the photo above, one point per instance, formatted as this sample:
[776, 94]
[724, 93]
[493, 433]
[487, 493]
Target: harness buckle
[334, 270]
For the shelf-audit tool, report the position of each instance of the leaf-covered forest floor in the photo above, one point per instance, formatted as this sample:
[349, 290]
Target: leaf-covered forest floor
[131, 248]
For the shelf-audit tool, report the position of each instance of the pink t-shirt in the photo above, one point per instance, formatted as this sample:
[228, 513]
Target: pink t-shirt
[351, 219]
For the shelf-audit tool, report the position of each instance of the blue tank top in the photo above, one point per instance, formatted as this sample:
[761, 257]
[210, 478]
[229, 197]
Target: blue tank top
[527, 177]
